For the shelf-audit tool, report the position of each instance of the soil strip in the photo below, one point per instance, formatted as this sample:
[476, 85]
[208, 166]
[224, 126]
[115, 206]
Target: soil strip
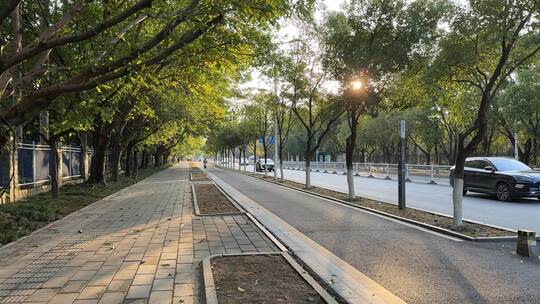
[199, 176]
[260, 279]
[469, 229]
[211, 201]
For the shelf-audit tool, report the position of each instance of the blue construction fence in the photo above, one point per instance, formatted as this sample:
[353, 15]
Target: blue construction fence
[35, 164]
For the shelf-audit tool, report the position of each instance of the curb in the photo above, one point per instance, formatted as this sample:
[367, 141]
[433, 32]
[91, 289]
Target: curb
[348, 284]
[267, 233]
[197, 211]
[410, 221]
[210, 293]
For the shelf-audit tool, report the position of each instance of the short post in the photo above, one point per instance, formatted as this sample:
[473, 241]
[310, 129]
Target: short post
[387, 169]
[432, 180]
[370, 174]
[526, 243]
[401, 166]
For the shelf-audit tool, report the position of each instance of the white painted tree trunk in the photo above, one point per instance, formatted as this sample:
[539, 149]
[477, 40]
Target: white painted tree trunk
[350, 183]
[457, 199]
[281, 168]
[308, 177]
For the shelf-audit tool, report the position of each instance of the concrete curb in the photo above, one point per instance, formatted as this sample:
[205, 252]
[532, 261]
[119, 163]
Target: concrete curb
[410, 221]
[197, 211]
[267, 233]
[350, 284]
[210, 288]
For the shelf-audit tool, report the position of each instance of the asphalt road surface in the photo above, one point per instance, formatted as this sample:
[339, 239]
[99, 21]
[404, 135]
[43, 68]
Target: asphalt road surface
[519, 214]
[417, 266]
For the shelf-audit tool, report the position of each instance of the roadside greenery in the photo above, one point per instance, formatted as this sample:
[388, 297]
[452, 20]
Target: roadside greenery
[464, 76]
[133, 79]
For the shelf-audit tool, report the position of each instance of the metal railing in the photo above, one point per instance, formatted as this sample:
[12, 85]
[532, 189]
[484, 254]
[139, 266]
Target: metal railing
[433, 174]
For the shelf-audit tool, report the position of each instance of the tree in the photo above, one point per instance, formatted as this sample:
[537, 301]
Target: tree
[370, 43]
[146, 42]
[316, 110]
[261, 115]
[487, 41]
[518, 108]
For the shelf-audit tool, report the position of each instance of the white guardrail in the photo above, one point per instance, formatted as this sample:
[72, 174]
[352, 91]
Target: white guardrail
[432, 174]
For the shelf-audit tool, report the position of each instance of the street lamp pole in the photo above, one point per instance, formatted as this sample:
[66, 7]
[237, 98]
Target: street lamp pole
[401, 165]
[516, 147]
[276, 140]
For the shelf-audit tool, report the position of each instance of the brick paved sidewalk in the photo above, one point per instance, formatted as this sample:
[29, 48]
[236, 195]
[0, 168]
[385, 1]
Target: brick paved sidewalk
[140, 245]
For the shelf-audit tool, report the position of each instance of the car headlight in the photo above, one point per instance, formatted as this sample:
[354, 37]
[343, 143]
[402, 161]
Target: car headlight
[521, 186]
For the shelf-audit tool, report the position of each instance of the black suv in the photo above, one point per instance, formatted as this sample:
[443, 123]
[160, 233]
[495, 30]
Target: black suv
[505, 177]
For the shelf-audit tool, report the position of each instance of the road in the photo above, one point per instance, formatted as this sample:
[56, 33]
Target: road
[415, 265]
[520, 214]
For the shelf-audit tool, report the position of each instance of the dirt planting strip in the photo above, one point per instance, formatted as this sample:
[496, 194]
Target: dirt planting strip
[262, 278]
[198, 176]
[211, 201]
[470, 230]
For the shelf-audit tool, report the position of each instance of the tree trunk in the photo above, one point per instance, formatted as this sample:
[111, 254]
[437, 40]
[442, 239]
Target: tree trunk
[350, 146]
[135, 164]
[143, 157]
[99, 158]
[129, 160]
[428, 156]
[254, 155]
[457, 193]
[245, 162]
[281, 176]
[84, 158]
[265, 147]
[116, 156]
[308, 172]
[56, 172]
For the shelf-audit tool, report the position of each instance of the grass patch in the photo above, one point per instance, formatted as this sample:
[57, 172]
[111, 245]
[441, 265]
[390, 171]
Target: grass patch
[22, 217]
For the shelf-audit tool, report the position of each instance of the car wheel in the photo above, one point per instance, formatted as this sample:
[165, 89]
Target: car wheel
[464, 192]
[503, 192]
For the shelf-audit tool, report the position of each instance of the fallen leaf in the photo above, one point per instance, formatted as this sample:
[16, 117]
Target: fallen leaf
[241, 289]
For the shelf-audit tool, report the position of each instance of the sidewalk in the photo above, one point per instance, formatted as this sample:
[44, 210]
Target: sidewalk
[140, 245]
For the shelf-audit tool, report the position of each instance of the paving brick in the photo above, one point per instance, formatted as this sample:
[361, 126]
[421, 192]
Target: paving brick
[163, 284]
[139, 291]
[161, 297]
[92, 292]
[118, 285]
[112, 298]
[143, 279]
[140, 245]
[42, 295]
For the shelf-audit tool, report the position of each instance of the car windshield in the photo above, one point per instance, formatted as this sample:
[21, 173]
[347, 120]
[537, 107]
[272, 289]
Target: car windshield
[509, 165]
[268, 161]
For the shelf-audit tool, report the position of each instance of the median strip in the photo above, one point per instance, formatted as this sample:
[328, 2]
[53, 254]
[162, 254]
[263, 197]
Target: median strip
[436, 222]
